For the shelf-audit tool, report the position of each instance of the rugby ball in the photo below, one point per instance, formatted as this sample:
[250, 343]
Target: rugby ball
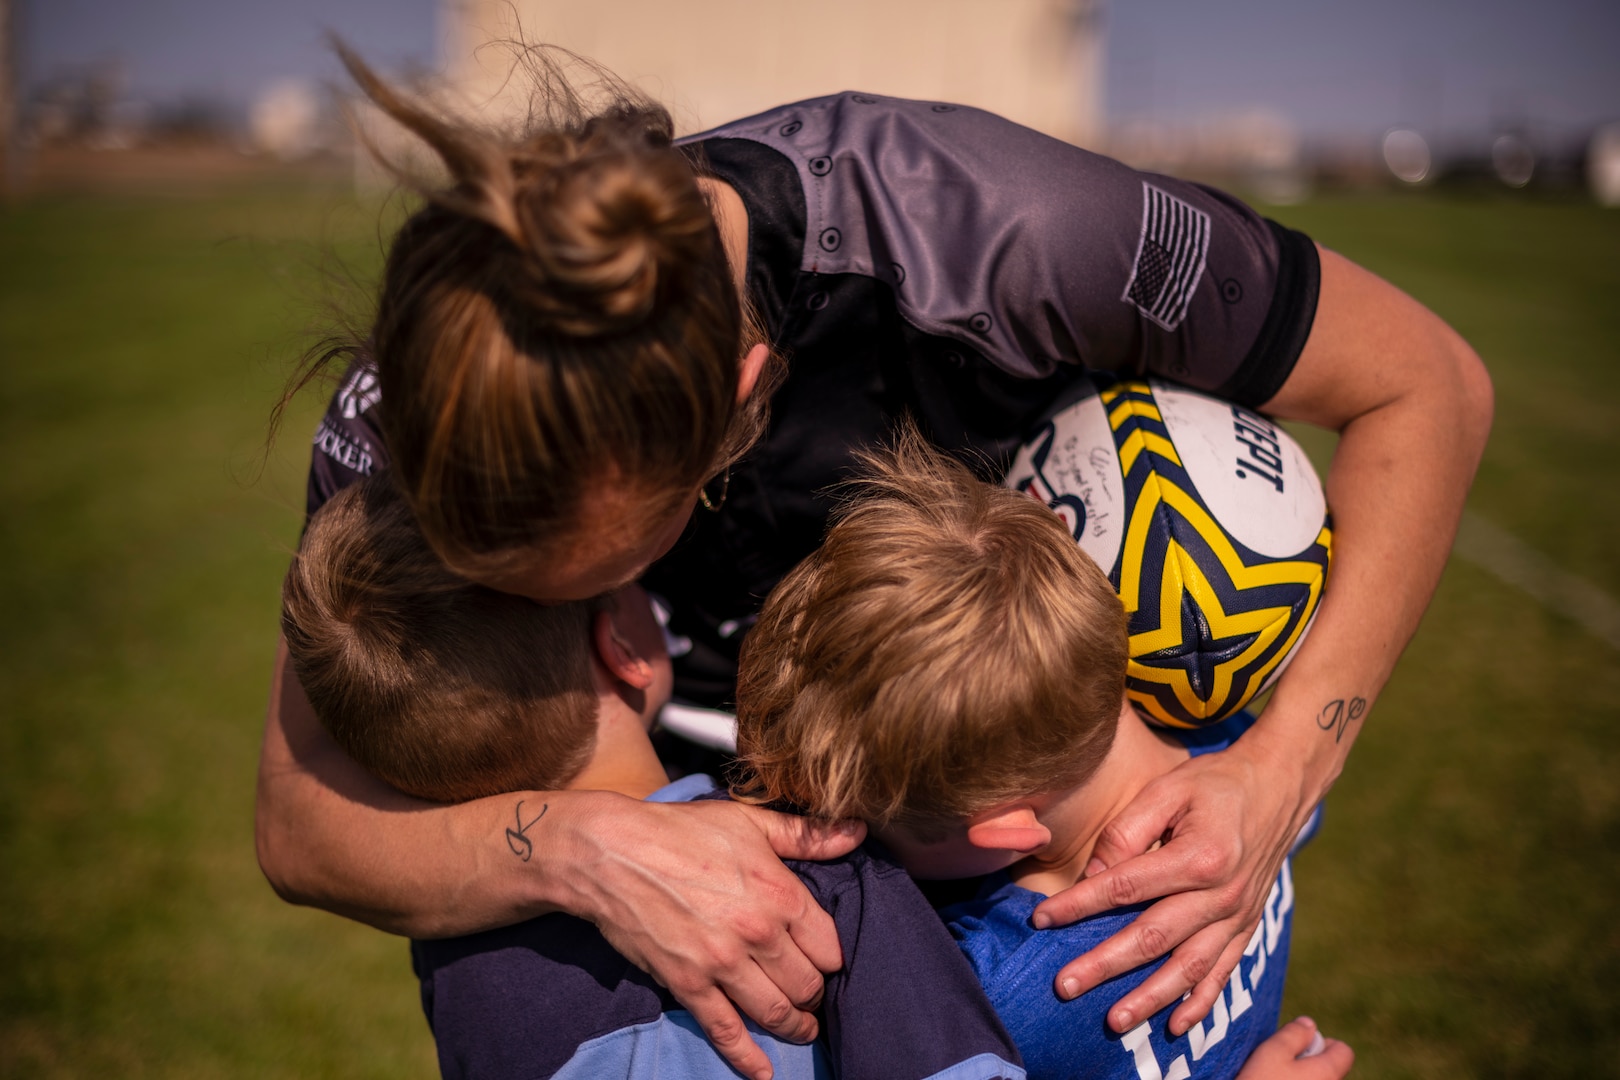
[1209, 520]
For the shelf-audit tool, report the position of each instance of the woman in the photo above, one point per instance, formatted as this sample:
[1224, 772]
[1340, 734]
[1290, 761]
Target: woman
[565, 369]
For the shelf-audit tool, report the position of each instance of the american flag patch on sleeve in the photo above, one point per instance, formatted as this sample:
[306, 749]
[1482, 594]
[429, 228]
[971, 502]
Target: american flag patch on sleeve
[1169, 257]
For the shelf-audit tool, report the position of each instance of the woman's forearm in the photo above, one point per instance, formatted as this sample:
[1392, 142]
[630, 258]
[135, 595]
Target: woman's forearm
[1413, 407]
[332, 836]
[1413, 424]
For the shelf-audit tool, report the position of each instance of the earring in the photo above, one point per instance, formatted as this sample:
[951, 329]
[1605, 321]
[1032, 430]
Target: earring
[725, 487]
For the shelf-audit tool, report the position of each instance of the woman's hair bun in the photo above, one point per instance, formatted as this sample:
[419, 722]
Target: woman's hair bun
[562, 306]
[612, 233]
[606, 214]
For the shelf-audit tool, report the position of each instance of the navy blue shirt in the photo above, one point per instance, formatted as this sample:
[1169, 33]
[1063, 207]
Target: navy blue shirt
[550, 998]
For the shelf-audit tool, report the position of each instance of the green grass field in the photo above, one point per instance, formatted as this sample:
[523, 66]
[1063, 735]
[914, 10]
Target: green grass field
[1455, 919]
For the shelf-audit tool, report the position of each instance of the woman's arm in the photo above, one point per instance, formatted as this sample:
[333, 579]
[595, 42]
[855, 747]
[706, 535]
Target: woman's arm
[694, 893]
[1413, 405]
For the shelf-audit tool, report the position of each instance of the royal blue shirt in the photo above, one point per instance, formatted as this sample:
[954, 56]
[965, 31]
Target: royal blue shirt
[1018, 966]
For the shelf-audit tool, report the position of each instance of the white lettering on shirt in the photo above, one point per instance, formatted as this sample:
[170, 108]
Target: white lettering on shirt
[342, 449]
[1139, 1042]
[360, 393]
[1235, 1000]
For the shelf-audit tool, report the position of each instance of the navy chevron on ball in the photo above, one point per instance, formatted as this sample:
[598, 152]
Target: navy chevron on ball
[1208, 519]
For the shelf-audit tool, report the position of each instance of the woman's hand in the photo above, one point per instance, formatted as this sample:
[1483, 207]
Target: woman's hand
[1412, 404]
[1298, 1051]
[696, 894]
[1227, 820]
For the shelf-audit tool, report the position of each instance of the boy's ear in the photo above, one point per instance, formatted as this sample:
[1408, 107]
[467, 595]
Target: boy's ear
[1013, 829]
[617, 652]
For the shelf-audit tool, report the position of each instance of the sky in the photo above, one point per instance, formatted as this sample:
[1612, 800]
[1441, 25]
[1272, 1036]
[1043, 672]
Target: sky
[226, 51]
[1358, 66]
[1334, 68]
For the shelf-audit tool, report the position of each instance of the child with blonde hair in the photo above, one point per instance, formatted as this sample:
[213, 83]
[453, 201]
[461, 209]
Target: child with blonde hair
[950, 667]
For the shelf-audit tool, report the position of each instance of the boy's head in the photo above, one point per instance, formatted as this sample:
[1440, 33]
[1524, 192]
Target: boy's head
[948, 650]
[442, 688]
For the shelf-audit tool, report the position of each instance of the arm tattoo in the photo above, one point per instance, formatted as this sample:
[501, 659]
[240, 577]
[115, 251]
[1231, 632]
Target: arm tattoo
[517, 839]
[1336, 715]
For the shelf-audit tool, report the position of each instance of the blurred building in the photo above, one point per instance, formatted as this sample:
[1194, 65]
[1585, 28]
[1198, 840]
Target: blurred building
[1035, 61]
[1603, 165]
[286, 120]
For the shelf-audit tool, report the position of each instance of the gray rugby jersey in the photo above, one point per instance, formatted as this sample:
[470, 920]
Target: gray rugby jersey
[1035, 253]
[932, 260]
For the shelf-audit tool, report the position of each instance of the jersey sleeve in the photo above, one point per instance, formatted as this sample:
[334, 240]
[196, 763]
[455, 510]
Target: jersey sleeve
[348, 444]
[906, 1005]
[1035, 253]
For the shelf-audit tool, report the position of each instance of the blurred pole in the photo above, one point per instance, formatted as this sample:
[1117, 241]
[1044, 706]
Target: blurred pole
[10, 150]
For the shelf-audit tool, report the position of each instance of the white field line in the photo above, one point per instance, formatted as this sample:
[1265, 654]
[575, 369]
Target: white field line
[1504, 555]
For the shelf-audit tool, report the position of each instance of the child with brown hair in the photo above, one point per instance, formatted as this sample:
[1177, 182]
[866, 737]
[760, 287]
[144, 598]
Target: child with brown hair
[950, 667]
[452, 691]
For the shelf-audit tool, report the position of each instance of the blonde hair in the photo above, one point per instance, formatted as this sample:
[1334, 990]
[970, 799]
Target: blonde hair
[445, 689]
[560, 312]
[948, 649]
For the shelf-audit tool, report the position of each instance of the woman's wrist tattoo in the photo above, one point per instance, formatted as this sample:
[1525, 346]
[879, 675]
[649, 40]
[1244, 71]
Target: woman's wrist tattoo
[1339, 714]
[518, 839]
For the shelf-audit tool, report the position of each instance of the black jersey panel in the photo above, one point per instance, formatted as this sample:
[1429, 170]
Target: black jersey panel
[769, 186]
[837, 397]
[857, 368]
[968, 405]
[1288, 321]
[348, 444]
